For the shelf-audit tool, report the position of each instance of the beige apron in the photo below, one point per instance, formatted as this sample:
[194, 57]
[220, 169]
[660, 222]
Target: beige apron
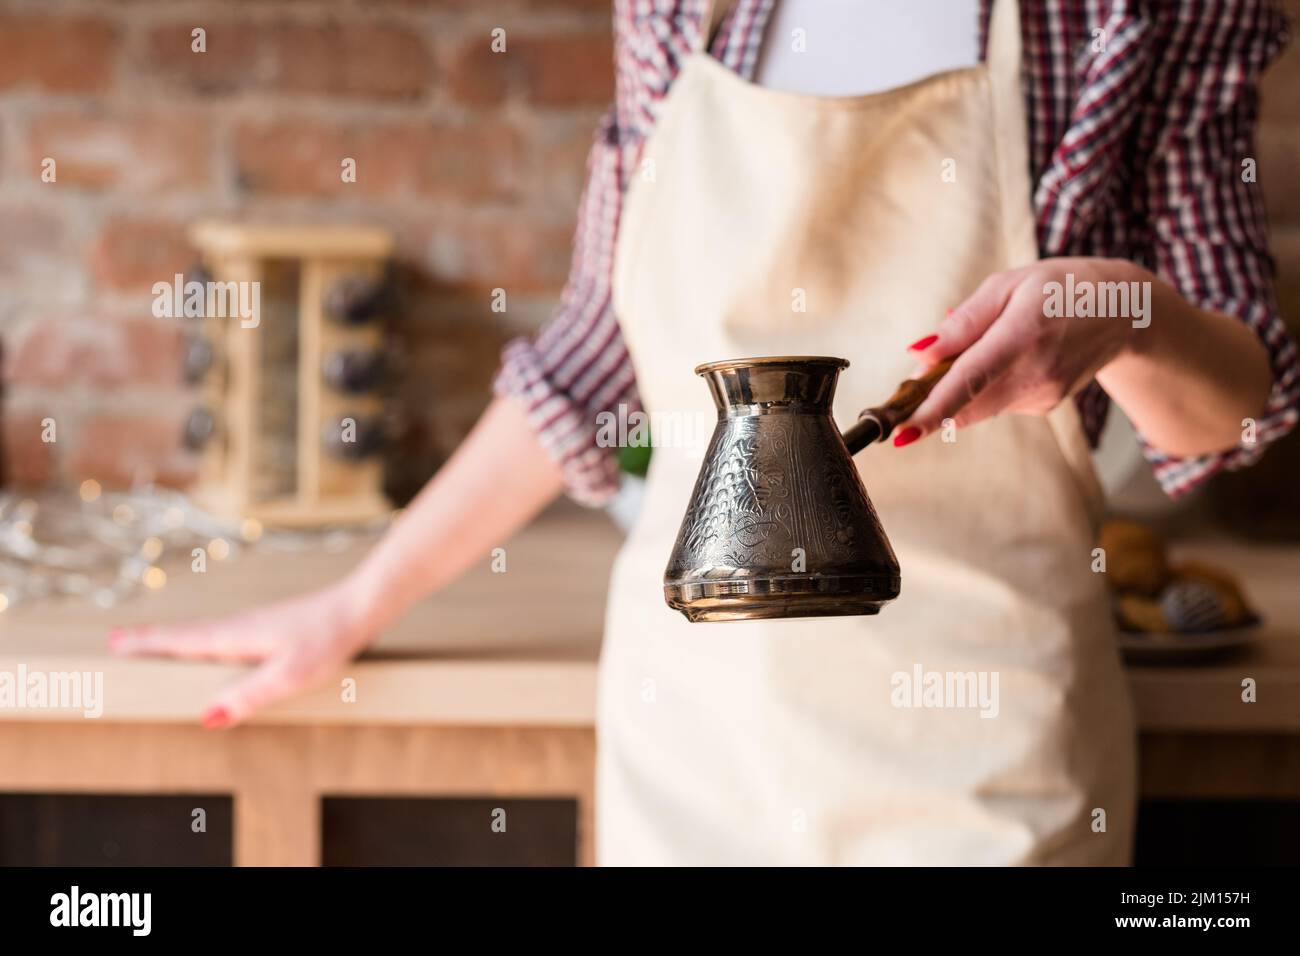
[764, 222]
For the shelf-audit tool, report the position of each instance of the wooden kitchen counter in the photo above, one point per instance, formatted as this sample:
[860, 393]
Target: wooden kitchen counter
[486, 690]
[520, 647]
[516, 647]
[489, 688]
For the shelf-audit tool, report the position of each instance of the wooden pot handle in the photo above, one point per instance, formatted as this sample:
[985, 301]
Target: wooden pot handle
[879, 421]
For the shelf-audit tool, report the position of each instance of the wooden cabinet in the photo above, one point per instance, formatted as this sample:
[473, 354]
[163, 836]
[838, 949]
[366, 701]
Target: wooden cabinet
[94, 829]
[485, 697]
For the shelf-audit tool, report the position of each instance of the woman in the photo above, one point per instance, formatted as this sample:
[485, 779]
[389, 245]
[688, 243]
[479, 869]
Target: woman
[842, 204]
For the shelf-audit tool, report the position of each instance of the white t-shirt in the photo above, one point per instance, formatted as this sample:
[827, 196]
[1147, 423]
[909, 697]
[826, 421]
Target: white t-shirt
[847, 47]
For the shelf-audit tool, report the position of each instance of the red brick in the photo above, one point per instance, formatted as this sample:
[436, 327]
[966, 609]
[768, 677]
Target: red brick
[297, 157]
[602, 7]
[515, 254]
[117, 450]
[29, 462]
[358, 59]
[139, 154]
[58, 54]
[133, 254]
[230, 62]
[101, 353]
[35, 245]
[473, 161]
[303, 158]
[545, 70]
[560, 171]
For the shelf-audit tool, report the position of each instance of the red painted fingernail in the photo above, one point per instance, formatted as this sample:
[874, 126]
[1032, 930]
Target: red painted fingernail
[216, 718]
[921, 345]
[948, 312]
[908, 435]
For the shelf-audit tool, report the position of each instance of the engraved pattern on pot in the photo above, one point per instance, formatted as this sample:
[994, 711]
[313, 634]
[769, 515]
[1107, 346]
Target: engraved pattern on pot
[742, 499]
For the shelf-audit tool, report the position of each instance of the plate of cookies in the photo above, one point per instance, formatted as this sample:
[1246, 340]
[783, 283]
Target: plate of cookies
[1171, 611]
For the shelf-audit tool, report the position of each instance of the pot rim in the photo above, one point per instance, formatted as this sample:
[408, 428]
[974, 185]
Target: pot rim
[728, 364]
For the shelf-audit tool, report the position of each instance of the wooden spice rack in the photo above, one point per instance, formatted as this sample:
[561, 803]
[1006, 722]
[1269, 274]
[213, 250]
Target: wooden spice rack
[267, 459]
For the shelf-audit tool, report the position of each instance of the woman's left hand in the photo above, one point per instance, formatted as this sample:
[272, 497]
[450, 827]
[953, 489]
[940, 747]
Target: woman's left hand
[1019, 356]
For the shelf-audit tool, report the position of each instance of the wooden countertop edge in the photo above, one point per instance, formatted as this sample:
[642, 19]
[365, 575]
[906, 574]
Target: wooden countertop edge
[447, 692]
[1212, 703]
[523, 693]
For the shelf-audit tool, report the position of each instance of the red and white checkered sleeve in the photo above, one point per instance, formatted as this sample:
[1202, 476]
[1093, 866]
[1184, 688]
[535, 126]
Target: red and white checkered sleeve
[1207, 219]
[577, 366]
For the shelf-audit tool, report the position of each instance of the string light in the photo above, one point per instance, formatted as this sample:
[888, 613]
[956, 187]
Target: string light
[104, 546]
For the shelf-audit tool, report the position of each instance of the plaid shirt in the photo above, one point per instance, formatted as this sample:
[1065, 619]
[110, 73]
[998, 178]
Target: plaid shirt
[1137, 149]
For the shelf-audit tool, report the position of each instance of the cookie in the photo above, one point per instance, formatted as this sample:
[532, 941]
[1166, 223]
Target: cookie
[1137, 613]
[1135, 558]
[1189, 605]
[1231, 598]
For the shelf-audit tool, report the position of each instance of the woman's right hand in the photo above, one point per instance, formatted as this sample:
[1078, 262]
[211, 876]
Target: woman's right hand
[297, 643]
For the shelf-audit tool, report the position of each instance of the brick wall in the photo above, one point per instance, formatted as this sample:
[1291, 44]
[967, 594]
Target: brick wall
[474, 159]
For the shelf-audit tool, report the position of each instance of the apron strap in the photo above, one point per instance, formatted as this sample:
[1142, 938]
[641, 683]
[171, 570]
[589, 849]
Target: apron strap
[1008, 105]
[1004, 53]
[715, 11]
